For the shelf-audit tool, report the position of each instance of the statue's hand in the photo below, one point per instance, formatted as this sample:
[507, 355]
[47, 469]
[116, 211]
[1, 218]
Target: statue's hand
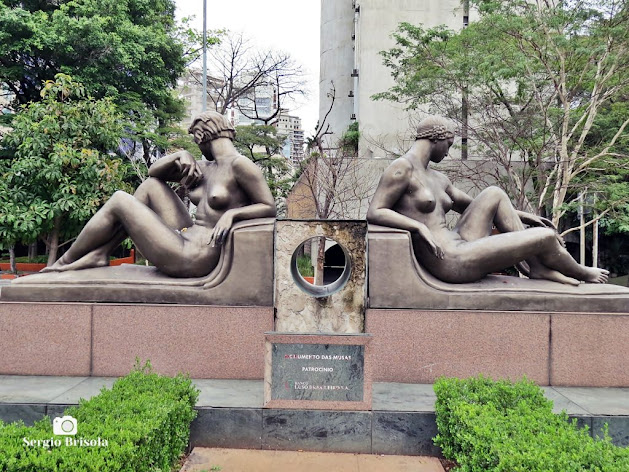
[220, 231]
[425, 233]
[540, 221]
[189, 169]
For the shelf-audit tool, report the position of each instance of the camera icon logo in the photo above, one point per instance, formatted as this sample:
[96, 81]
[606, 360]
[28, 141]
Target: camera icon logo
[64, 426]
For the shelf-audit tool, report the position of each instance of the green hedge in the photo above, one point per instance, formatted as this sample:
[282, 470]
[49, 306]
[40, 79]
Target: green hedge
[144, 421]
[503, 426]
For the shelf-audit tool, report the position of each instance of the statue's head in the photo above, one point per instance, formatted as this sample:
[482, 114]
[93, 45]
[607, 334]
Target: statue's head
[435, 128]
[211, 125]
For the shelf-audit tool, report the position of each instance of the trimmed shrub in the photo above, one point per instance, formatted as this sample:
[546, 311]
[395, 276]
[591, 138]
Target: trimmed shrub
[141, 424]
[503, 426]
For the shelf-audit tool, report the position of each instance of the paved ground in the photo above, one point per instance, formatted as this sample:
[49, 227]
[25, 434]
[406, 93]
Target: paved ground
[245, 460]
[21, 389]
[231, 414]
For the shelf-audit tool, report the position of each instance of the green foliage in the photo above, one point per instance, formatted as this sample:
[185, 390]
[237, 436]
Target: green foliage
[129, 50]
[304, 266]
[60, 171]
[25, 259]
[509, 427]
[262, 145]
[349, 140]
[608, 179]
[145, 419]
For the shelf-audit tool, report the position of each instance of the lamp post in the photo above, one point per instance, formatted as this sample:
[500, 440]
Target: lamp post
[204, 100]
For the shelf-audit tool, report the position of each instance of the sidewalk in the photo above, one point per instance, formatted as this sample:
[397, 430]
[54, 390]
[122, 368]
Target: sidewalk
[230, 414]
[245, 460]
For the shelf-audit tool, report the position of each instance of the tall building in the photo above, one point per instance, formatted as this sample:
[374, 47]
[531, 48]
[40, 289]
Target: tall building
[290, 126]
[190, 89]
[261, 102]
[256, 106]
[353, 32]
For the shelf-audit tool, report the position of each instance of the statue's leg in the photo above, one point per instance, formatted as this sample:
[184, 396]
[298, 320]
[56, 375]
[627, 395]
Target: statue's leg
[142, 217]
[541, 249]
[159, 197]
[491, 207]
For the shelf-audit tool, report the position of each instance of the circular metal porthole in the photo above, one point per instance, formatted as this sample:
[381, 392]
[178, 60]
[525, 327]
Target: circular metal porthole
[337, 268]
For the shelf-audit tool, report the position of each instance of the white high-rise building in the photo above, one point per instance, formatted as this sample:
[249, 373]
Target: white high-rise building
[290, 126]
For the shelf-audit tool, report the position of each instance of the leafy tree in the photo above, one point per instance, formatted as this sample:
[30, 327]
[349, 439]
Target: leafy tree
[527, 82]
[263, 145]
[61, 171]
[608, 179]
[129, 50]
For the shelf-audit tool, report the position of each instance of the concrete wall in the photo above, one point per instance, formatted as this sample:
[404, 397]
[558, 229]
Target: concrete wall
[383, 122]
[337, 62]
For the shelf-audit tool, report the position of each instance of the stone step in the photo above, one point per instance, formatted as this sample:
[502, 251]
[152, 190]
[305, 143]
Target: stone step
[230, 414]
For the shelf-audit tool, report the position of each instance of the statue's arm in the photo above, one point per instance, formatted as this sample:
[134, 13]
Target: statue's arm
[250, 178]
[180, 166]
[392, 186]
[460, 199]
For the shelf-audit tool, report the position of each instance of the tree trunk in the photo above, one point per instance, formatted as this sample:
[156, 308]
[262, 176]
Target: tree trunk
[146, 152]
[12, 266]
[53, 244]
[320, 261]
[32, 251]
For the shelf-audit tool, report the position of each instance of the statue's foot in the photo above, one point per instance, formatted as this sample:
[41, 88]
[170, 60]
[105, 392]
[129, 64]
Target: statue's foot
[88, 261]
[538, 271]
[595, 276]
[56, 267]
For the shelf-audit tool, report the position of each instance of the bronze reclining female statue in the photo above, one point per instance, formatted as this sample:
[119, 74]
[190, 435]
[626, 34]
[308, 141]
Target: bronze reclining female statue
[227, 187]
[416, 198]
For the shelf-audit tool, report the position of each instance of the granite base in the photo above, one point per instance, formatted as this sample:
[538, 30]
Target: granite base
[73, 339]
[558, 349]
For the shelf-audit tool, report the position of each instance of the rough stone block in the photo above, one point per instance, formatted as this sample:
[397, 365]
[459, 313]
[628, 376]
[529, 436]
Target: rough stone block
[343, 309]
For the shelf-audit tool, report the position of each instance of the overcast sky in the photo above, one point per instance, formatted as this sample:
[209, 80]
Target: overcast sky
[291, 26]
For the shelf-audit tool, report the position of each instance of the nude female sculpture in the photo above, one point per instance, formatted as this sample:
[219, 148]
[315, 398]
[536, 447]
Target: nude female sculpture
[227, 187]
[414, 197]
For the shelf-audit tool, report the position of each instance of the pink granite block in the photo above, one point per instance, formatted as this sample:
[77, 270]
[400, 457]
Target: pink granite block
[590, 350]
[45, 338]
[418, 346]
[203, 341]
